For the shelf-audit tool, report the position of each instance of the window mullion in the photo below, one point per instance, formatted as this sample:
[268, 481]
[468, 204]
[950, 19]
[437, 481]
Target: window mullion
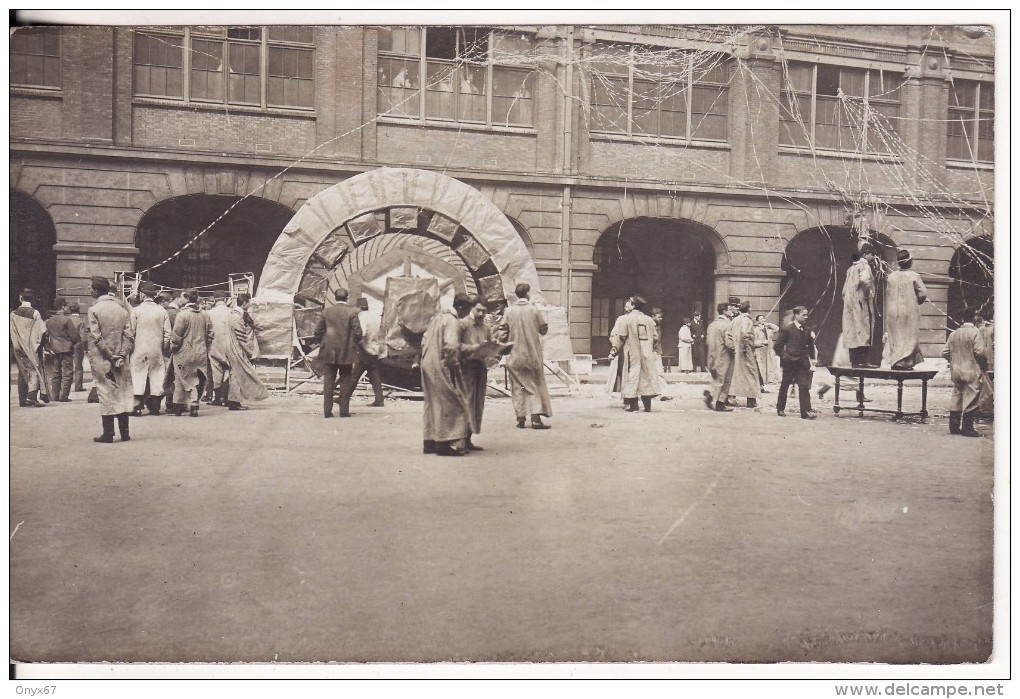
[814, 101]
[422, 74]
[630, 92]
[489, 80]
[867, 112]
[186, 65]
[224, 72]
[689, 80]
[977, 122]
[264, 69]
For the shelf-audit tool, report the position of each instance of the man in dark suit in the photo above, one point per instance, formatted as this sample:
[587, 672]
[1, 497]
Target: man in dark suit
[341, 334]
[698, 348]
[795, 346]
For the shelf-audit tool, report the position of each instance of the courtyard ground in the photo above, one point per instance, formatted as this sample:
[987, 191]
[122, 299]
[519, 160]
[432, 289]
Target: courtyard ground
[274, 535]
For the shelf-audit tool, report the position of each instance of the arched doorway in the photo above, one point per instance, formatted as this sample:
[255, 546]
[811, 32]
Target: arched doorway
[973, 272]
[816, 262]
[670, 263]
[33, 261]
[239, 242]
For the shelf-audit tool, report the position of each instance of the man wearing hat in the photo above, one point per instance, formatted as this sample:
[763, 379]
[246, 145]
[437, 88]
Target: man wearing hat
[28, 331]
[219, 361]
[63, 338]
[904, 295]
[370, 351]
[859, 307]
[633, 338]
[340, 333]
[109, 353]
[150, 325]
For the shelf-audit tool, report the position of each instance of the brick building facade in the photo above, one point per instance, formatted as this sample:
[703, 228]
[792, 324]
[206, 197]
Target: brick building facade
[683, 163]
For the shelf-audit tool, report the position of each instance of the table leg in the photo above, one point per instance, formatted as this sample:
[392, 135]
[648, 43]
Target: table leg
[924, 399]
[860, 398]
[899, 399]
[835, 406]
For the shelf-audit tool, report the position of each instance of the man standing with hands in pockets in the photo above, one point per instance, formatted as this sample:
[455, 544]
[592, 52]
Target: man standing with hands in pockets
[795, 346]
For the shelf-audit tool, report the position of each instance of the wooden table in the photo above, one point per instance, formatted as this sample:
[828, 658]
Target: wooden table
[896, 375]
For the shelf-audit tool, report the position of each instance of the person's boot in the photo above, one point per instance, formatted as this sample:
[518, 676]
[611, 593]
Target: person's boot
[235, 405]
[631, 405]
[752, 402]
[522, 422]
[721, 407]
[194, 409]
[646, 401]
[823, 390]
[122, 424]
[218, 396]
[32, 401]
[428, 446]
[107, 436]
[707, 395]
[967, 429]
[93, 395]
[730, 401]
[954, 421]
[154, 404]
[470, 446]
[137, 412]
[537, 424]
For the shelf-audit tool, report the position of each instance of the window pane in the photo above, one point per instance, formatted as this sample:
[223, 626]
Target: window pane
[439, 96]
[717, 71]
[471, 98]
[826, 122]
[207, 70]
[828, 80]
[609, 58]
[206, 55]
[441, 42]
[35, 56]
[962, 93]
[645, 107]
[249, 33]
[512, 101]
[398, 87]
[851, 81]
[673, 114]
[885, 85]
[206, 29]
[987, 96]
[609, 104]
[986, 138]
[511, 45]
[301, 35]
[709, 107]
[801, 77]
[473, 44]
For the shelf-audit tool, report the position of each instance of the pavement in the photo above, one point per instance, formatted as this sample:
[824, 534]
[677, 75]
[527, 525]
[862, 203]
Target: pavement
[274, 535]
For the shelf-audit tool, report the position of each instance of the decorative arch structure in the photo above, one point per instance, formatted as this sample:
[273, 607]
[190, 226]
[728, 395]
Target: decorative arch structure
[346, 215]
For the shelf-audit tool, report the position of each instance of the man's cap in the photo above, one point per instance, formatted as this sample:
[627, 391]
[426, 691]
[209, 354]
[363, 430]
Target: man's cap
[363, 303]
[461, 300]
[734, 301]
[148, 288]
[903, 256]
[59, 302]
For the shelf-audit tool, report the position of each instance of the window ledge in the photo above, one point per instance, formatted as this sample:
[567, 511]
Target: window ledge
[841, 154]
[456, 125]
[226, 108]
[53, 93]
[970, 165]
[659, 141]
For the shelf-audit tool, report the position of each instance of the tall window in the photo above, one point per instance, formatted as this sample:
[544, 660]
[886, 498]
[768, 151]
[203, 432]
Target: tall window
[35, 57]
[253, 66]
[971, 127]
[659, 92]
[840, 108]
[470, 75]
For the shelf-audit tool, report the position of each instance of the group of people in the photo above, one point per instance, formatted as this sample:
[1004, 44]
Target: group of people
[457, 349]
[139, 351]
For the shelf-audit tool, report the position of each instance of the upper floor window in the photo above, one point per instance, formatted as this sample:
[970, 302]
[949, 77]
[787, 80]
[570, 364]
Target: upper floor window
[641, 91]
[35, 57]
[471, 75]
[840, 108]
[254, 66]
[971, 125]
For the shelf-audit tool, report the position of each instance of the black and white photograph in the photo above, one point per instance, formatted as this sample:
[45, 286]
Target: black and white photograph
[510, 344]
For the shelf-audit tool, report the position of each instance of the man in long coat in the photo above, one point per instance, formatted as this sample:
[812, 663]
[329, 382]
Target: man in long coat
[189, 346]
[340, 332]
[150, 325]
[474, 332]
[219, 362]
[719, 361]
[525, 365]
[764, 334]
[965, 350]
[859, 309]
[110, 344]
[244, 384]
[172, 308]
[27, 334]
[447, 419]
[904, 295]
[77, 367]
[633, 338]
[740, 341]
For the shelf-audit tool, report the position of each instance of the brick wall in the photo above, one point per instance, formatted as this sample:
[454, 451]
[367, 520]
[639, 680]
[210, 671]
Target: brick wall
[36, 117]
[221, 131]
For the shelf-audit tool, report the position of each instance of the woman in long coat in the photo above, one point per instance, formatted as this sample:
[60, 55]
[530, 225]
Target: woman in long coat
[685, 348]
[764, 336]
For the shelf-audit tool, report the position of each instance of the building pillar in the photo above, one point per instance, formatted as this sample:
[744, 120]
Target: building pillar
[754, 119]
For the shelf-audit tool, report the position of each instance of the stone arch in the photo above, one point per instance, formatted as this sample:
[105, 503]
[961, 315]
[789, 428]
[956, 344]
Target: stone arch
[329, 222]
[671, 262]
[33, 262]
[243, 231]
[972, 275]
